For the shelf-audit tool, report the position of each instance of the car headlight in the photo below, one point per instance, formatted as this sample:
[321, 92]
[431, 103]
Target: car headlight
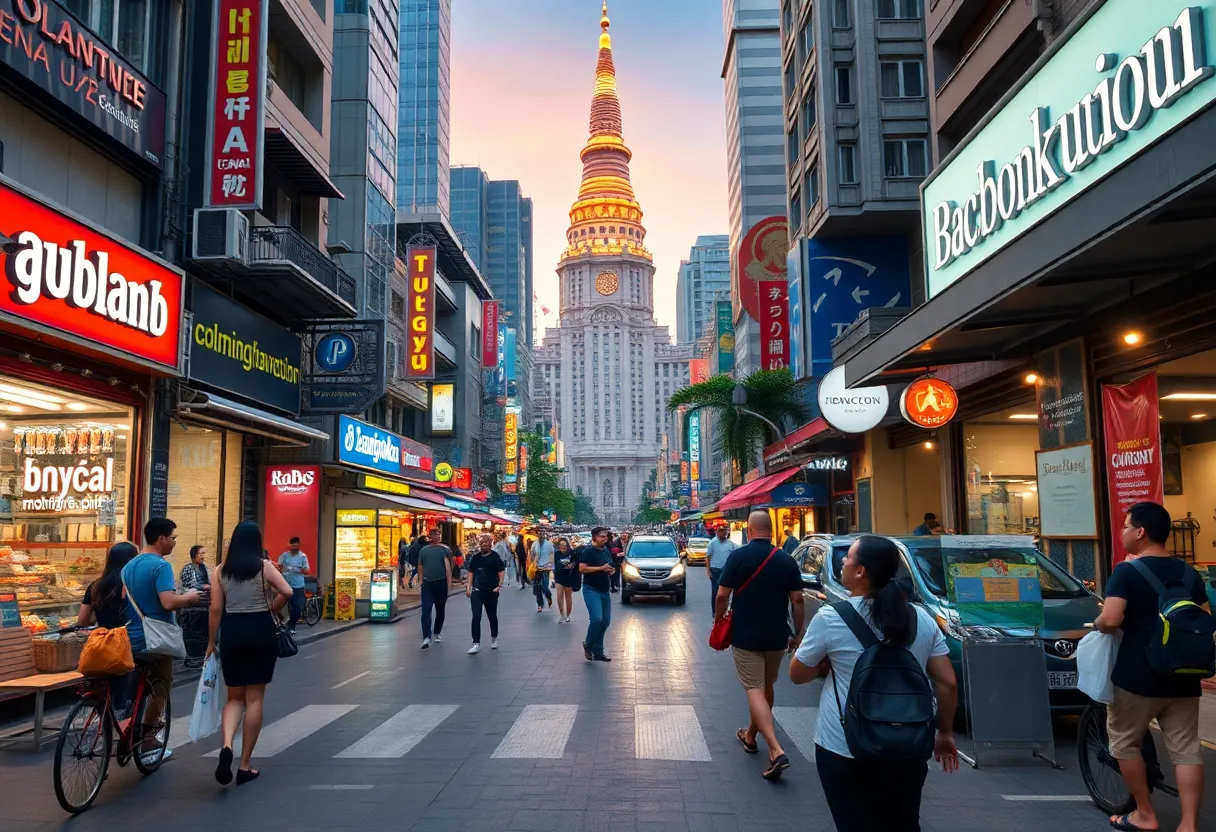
[678, 570]
[632, 571]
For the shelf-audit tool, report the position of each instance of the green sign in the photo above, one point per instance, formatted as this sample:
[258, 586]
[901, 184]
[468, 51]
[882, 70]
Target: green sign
[1133, 73]
[726, 338]
[993, 581]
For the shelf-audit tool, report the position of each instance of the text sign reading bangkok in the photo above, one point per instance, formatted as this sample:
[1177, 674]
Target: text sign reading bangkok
[1133, 73]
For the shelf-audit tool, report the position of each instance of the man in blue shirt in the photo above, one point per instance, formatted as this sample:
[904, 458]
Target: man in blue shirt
[294, 565]
[716, 553]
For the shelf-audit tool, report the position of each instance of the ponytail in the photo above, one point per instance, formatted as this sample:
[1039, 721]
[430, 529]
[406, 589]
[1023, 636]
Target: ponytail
[890, 609]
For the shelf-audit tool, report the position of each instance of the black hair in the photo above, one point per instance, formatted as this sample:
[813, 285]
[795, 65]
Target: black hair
[930, 516]
[1153, 518]
[294, 540]
[107, 592]
[598, 530]
[195, 549]
[889, 606]
[244, 560]
[158, 527]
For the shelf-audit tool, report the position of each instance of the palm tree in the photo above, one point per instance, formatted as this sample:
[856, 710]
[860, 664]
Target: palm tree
[772, 394]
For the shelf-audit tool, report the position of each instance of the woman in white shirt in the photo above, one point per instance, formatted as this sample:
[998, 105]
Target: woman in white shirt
[884, 794]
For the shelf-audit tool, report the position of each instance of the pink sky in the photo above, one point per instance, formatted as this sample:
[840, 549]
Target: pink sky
[522, 78]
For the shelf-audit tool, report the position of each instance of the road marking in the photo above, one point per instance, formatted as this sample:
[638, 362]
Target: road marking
[351, 679]
[395, 737]
[668, 732]
[286, 732]
[179, 732]
[1047, 798]
[801, 725]
[342, 787]
[539, 733]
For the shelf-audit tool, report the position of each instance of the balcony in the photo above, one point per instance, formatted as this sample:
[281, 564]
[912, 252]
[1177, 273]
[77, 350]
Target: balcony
[298, 275]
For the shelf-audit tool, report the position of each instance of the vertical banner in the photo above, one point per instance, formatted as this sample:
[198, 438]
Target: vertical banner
[292, 508]
[509, 351]
[694, 447]
[1132, 425]
[774, 324]
[523, 468]
[698, 370]
[489, 334]
[510, 435]
[500, 371]
[726, 338]
[237, 113]
[420, 312]
[798, 364]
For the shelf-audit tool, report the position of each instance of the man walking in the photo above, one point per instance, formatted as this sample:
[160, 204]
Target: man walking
[435, 579]
[759, 584]
[715, 559]
[483, 585]
[502, 548]
[595, 565]
[1142, 694]
[294, 565]
[541, 554]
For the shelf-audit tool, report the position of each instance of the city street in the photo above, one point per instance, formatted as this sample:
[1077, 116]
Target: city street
[365, 730]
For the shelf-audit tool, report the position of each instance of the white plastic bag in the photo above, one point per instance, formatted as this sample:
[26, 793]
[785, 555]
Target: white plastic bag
[1095, 662]
[208, 701]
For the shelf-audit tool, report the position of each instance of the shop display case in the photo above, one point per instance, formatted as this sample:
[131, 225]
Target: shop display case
[367, 539]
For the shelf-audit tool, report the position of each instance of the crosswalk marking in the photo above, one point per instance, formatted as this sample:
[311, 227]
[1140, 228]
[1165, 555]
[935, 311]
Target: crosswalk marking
[539, 733]
[351, 679]
[669, 732]
[402, 731]
[284, 733]
[179, 732]
[801, 725]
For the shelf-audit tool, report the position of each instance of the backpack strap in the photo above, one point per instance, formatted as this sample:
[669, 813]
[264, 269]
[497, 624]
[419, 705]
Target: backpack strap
[851, 617]
[1152, 579]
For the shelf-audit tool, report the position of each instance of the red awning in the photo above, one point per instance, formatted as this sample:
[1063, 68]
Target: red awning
[803, 434]
[753, 492]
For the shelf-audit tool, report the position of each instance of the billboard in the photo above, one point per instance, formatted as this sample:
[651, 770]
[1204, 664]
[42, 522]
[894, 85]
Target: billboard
[798, 364]
[236, 118]
[698, 370]
[774, 324]
[489, 334]
[511, 447]
[761, 259]
[420, 313]
[726, 338]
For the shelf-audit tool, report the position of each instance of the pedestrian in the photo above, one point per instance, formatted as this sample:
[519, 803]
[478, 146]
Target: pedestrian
[483, 585]
[791, 543]
[503, 549]
[715, 559]
[435, 580]
[873, 793]
[565, 569]
[614, 550]
[103, 604]
[294, 565]
[540, 556]
[249, 646]
[521, 559]
[411, 557]
[194, 573]
[595, 565]
[1136, 598]
[759, 589]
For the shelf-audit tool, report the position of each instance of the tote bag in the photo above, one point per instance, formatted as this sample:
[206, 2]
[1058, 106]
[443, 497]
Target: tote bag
[106, 653]
[161, 638]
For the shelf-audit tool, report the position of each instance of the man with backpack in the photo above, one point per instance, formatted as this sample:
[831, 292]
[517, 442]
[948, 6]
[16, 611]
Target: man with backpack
[1160, 605]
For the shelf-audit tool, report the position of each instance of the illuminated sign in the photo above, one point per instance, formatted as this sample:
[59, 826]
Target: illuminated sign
[420, 313]
[444, 473]
[774, 324]
[511, 449]
[929, 403]
[489, 334]
[368, 446]
[235, 141]
[415, 455]
[762, 258]
[356, 517]
[388, 486]
[293, 508]
[76, 487]
[851, 411]
[443, 408]
[463, 480]
[292, 480]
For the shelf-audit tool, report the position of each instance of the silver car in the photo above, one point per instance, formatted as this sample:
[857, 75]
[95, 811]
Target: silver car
[653, 567]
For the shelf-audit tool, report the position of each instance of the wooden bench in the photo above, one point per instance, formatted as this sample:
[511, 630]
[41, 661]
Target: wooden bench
[18, 677]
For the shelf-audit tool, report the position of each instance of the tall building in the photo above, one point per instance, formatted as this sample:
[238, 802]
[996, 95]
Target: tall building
[470, 204]
[704, 278]
[424, 107]
[608, 368]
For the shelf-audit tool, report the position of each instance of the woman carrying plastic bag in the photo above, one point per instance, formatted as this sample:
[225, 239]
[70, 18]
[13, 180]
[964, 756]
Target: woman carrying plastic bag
[208, 701]
[1096, 654]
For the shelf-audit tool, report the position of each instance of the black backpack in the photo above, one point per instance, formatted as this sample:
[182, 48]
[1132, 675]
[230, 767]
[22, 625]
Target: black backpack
[1180, 642]
[889, 712]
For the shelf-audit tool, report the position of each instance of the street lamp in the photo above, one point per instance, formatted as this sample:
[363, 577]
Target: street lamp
[738, 398]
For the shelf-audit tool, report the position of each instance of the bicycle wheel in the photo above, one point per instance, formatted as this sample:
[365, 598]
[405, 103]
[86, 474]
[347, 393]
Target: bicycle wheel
[312, 611]
[150, 739]
[1100, 770]
[82, 755]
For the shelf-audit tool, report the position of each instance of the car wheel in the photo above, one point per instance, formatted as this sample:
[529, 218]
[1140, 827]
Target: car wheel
[681, 597]
[626, 598]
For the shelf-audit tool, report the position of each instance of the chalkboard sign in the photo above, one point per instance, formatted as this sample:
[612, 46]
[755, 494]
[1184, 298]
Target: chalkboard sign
[865, 511]
[10, 615]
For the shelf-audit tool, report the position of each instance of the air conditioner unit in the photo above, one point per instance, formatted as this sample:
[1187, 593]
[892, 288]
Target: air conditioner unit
[220, 234]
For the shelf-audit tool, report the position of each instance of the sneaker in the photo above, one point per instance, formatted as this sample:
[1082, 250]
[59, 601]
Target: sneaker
[602, 658]
[540, 609]
[438, 637]
[426, 642]
[149, 757]
[493, 644]
[588, 654]
[475, 649]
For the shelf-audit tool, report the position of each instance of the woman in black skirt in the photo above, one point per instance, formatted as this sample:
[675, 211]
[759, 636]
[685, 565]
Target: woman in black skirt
[241, 611]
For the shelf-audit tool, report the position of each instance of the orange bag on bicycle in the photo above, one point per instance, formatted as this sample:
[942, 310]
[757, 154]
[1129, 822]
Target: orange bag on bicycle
[107, 653]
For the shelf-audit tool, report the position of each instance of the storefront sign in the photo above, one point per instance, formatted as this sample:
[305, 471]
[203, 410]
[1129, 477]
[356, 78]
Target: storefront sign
[443, 409]
[463, 480]
[370, 483]
[292, 508]
[343, 363]
[415, 457]
[46, 45]
[235, 140]
[444, 472]
[1134, 72]
[929, 403]
[237, 350]
[798, 494]
[761, 258]
[1131, 424]
[698, 370]
[1068, 505]
[726, 338]
[76, 486]
[830, 463]
[355, 517]
[74, 282]
[694, 437]
[774, 324]
[851, 411]
[420, 313]
[511, 446]
[489, 334]
[368, 446]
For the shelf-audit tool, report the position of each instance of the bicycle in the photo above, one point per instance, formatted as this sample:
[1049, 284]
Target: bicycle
[82, 753]
[1101, 771]
[314, 608]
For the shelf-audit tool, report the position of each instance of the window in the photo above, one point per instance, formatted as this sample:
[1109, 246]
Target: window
[123, 23]
[794, 146]
[809, 115]
[398, 306]
[899, 9]
[787, 16]
[811, 187]
[841, 14]
[844, 84]
[791, 80]
[475, 342]
[806, 39]
[795, 210]
[848, 164]
[902, 79]
[905, 157]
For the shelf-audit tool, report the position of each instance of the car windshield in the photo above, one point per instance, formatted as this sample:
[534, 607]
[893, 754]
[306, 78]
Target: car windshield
[652, 549]
[1054, 582]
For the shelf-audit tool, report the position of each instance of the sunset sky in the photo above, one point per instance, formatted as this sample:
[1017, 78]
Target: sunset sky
[522, 78]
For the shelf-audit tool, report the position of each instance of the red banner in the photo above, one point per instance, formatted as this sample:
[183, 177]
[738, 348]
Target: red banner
[489, 334]
[293, 509]
[463, 480]
[238, 89]
[420, 313]
[1131, 423]
[698, 370]
[774, 324]
[762, 257]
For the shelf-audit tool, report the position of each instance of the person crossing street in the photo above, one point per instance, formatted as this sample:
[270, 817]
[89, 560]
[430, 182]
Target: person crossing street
[541, 556]
[483, 584]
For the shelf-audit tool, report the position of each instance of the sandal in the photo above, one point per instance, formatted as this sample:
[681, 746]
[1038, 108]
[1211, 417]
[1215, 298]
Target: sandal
[775, 767]
[243, 776]
[1124, 822]
[749, 747]
[223, 769]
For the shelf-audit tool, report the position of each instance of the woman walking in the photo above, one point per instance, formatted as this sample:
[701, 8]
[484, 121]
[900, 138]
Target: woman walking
[564, 573]
[241, 610]
[521, 560]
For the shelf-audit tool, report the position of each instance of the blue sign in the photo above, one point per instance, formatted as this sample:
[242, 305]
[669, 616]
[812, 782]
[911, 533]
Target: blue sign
[500, 371]
[842, 278]
[793, 267]
[459, 505]
[368, 446]
[510, 355]
[798, 494]
[336, 352]
[709, 485]
[685, 489]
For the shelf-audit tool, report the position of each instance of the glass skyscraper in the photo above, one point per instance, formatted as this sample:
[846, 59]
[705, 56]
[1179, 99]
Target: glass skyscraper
[704, 278]
[424, 107]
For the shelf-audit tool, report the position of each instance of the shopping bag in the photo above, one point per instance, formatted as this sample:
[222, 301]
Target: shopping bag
[208, 701]
[106, 653]
[531, 570]
[1096, 656]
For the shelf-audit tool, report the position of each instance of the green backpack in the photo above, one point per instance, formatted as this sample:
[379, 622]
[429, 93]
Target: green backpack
[1181, 642]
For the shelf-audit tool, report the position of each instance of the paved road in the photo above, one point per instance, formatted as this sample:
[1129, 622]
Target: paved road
[365, 731]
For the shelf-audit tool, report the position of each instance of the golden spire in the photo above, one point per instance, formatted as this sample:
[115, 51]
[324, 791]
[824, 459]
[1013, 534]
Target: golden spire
[606, 218]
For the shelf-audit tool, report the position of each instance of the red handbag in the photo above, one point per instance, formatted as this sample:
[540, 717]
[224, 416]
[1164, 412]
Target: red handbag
[719, 636]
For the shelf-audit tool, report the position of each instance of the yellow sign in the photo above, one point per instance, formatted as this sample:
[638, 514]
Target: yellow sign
[389, 486]
[345, 591]
[444, 472]
[511, 435]
[356, 517]
[1001, 591]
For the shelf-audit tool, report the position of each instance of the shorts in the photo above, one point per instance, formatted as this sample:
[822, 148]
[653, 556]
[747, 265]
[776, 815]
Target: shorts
[757, 668]
[1128, 717]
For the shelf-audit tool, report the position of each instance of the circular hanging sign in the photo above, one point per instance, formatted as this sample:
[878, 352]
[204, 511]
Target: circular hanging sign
[929, 402]
[851, 411]
[444, 472]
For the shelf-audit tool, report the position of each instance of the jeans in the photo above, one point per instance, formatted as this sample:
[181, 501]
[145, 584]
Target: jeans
[540, 587]
[522, 568]
[599, 611]
[715, 574]
[487, 598]
[296, 605]
[434, 594]
[614, 580]
[875, 794]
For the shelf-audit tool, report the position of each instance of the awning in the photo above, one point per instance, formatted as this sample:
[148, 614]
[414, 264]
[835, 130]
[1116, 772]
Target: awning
[216, 410]
[754, 491]
[409, 503]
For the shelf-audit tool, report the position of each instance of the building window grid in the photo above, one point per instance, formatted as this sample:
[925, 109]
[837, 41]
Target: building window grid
[900, 9]
[902, 79]
[905, 158]
[848, 164]
[842, 14]
[844, 84]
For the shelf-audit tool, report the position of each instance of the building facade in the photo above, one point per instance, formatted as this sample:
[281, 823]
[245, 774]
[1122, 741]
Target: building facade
[424, 107]
[704, 279]
[609, 367]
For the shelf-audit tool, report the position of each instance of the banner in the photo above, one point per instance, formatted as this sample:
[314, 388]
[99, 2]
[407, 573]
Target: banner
[489, 334]
[293, 508]
[510, 350]
[698, 370]
[1131, 424]
[761, 259]
[511, 449]
[774, 324]
[420, 312]
[726, 338]
[235, 142]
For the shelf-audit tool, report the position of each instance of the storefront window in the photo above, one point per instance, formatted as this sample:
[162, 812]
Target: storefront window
[367, 539]
[64, 489]
[1002, 495]
[205, 468]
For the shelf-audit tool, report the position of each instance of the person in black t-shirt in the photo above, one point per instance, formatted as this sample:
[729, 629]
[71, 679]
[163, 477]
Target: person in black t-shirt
[1132, 606]
[483, 582]
[595, 565]
[760, 632]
